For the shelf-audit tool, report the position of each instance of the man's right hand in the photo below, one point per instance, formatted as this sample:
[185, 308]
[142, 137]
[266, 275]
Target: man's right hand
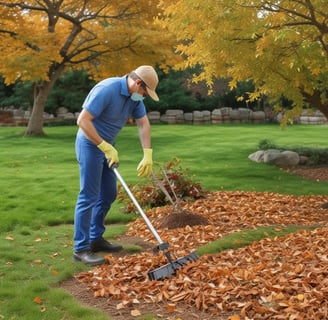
[110, 152]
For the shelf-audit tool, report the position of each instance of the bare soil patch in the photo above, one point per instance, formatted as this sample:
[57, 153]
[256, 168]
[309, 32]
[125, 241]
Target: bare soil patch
[181, 219]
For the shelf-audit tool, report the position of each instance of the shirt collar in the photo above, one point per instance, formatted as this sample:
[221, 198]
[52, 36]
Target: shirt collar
[124, 86]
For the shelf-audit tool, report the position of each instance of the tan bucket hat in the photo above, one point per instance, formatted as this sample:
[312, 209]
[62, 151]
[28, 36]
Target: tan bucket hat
[149, 76]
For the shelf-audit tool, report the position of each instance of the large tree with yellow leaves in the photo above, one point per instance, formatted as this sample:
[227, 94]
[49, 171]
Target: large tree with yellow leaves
[39, 39]
[281, 45]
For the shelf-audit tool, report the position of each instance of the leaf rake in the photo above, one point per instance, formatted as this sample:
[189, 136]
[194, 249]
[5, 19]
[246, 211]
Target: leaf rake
[173, 265]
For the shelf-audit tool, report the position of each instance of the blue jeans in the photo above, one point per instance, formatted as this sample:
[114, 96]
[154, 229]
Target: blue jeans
[98, 191]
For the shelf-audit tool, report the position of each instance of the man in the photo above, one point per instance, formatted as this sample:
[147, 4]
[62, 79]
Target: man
[105, 111]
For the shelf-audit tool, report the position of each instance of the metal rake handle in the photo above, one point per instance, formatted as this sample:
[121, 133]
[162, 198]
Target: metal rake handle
[135, 202]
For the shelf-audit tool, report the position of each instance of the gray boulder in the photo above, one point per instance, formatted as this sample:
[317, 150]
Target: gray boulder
[261, 155]
[283, 159]
[276, 157]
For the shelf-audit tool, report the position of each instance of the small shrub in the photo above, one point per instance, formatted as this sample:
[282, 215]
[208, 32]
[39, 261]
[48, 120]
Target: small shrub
[316, 156]
[266, 145]
[174, 178]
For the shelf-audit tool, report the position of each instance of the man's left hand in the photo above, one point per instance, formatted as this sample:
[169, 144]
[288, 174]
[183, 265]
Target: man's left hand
[145, 166]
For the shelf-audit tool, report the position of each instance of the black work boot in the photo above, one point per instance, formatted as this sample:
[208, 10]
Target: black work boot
[88, 258]
[104, 245]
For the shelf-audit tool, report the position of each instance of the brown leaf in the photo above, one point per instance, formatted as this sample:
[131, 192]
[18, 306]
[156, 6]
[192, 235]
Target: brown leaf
[38, 300]
[135, 313]
[170, 307]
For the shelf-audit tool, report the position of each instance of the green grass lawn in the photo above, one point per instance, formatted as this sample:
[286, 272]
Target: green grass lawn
[40, 181]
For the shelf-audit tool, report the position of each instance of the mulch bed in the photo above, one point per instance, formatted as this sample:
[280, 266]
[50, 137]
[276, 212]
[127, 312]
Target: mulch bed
[317, 173]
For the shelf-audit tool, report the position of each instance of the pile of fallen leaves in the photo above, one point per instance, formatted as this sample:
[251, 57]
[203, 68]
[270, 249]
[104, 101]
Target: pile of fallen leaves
[280, 278]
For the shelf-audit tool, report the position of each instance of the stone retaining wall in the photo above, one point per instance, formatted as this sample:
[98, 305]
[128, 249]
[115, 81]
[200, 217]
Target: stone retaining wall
[18, 117]
[229, 115]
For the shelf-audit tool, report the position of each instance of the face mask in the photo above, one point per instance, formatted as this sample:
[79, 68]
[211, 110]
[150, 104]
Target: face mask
[137, 97]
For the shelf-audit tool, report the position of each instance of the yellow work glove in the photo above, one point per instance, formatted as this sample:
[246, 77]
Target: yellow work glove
[110, 152]
[146, 164]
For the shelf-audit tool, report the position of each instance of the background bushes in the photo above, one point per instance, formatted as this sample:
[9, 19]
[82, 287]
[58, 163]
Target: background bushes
[175, 89]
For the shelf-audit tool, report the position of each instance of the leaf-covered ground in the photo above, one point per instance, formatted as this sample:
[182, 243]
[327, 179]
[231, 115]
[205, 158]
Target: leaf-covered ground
[280, 278]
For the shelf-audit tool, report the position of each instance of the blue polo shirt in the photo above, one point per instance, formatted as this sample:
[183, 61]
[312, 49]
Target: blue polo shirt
[111, 105]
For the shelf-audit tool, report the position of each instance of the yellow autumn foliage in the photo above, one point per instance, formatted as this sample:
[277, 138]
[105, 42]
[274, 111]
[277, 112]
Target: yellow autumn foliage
[40, 39]
[106, 37]
[282, 46]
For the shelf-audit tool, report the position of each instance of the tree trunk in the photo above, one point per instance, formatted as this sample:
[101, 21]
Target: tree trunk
[41, 93]
[324, 110]
[315, 99]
